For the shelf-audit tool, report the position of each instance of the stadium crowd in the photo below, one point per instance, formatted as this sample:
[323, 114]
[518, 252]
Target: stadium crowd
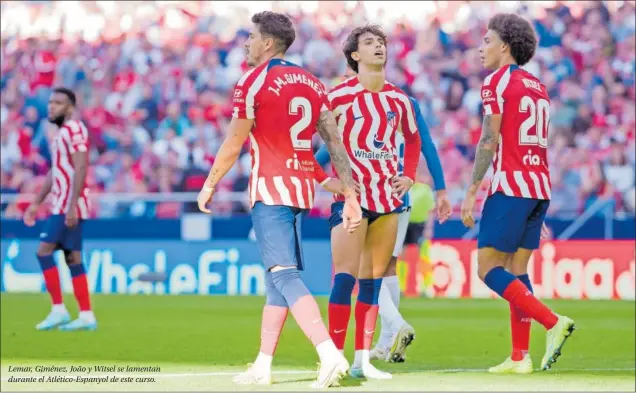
[154, 90]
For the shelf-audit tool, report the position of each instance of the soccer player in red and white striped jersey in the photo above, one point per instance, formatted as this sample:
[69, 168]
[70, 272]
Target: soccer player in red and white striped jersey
[370, 112]
[280, 106]
[515, 134]
[70, 207]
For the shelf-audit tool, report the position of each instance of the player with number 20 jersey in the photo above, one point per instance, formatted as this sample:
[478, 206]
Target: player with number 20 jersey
[521, 163]
[514, 140]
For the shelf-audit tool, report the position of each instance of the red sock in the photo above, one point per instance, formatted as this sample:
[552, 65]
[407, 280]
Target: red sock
[80, 287]
[517, 294]
[339, 315]
[366, 318]
[520, 330]
[53, 286]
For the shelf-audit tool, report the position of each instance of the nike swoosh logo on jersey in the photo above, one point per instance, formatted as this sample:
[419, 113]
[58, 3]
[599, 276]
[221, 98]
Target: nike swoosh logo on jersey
[357, 118]
[338, 330]
[368, 331]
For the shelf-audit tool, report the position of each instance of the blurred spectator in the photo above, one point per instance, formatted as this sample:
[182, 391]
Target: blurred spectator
[154, 85]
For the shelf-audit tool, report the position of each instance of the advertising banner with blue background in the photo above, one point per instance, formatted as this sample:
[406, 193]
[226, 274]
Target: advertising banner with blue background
[204, 268]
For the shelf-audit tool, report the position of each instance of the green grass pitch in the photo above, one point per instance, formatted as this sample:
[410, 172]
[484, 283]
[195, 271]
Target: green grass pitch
[198, 342]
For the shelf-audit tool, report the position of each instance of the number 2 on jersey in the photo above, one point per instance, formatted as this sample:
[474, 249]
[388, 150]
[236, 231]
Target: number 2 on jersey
[301, 125]
[539, 119]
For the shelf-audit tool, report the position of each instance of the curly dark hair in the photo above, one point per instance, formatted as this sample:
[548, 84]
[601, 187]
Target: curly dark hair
[518, 33]
[277, 26]
[351, 43]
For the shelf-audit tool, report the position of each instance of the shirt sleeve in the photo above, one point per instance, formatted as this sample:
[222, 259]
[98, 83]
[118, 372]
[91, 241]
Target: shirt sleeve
[492, 91]
[77, 137]
[242, 109]
[245, 93]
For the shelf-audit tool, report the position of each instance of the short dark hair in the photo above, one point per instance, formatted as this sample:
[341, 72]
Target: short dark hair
[278, 26]
[351, 43]
[517, 33]
[68, 93]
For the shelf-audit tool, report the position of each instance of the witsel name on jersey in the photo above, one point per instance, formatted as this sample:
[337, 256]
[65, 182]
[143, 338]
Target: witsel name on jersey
[531, 84]
[294, 78]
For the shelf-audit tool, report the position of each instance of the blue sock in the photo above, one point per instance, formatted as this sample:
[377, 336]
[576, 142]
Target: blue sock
[498, 279]
[525, 279]
[289, 284]
[343, 284]
[77, 270]
[369, 290]
[46, 261]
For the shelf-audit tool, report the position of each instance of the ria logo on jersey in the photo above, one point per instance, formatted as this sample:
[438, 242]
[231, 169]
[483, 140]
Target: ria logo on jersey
[531, 159]
[298, 165]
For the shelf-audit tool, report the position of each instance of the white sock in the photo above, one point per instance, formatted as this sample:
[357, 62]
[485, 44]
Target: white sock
[263, 361]
[326, 349]
[59, 308]
[389, 307]
[386, 334]
[361, 357]
[87, 316]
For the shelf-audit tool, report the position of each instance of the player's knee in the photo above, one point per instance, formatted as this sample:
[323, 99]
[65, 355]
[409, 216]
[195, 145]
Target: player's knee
[391, 269]
[342, 265]
[379, 271]
[289, 284]
[273, 295]
[45, 249]
[72, 257]
[484, 267]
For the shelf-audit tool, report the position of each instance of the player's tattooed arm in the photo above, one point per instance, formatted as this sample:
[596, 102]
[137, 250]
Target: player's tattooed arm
[486, 149]
[328, 130]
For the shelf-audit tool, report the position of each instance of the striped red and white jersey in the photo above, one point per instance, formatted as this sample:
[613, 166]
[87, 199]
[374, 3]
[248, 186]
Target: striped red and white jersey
[369, 123]
[72, 137]
[285, 102]
[521, 162]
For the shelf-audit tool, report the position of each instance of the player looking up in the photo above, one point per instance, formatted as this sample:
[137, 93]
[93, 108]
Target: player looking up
[396, 335]
[279, 106]
[515, 133]
[63, 231]
[371, 112]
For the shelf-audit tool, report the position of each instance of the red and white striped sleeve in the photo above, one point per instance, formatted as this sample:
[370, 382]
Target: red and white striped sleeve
[492, 91]
[75, 134]
[341, 96]
[245, 92]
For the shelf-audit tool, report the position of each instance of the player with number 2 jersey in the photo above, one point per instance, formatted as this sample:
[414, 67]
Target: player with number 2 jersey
[280, 106]
[514, 139]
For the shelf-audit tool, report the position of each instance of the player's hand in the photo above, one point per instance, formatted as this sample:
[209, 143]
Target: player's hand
[444, 208]
[71, 218]
[546, 234]
[351, 213]
[401, 185]
[204, 198]
[334, 186]
[467, 209]
[29, 215]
